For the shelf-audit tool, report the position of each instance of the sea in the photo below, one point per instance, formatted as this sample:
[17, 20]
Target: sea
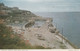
[69, 22]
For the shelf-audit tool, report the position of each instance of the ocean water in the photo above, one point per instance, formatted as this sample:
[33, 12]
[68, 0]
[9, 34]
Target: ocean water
[68, 21]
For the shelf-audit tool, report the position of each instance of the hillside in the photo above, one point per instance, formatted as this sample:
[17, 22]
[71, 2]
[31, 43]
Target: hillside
[23, 29]
[10, 40]
[12, 14]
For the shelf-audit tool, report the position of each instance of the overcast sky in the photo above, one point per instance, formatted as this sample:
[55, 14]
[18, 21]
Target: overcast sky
[45, 5]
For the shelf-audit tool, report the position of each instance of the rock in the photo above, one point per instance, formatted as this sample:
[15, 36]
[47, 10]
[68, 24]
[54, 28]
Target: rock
[52, 29]
[40, 37]
[50, 25]
[57, 32]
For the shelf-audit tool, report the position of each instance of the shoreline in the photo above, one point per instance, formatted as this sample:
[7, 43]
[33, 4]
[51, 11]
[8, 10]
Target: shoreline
[60, 37]
[30, 30]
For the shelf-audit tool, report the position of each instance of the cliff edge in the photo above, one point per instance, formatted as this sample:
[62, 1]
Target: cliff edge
[35, 30]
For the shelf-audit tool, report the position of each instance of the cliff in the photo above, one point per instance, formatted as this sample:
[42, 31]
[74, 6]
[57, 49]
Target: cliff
[46, 35]
[37, 31]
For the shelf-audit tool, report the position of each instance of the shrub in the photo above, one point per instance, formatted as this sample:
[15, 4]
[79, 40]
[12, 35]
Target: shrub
[8, 40]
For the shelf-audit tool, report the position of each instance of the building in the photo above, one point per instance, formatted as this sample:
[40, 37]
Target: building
[15, 8]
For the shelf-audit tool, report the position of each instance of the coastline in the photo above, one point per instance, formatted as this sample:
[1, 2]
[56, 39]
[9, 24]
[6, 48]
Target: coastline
[31, 34]
[45, 35]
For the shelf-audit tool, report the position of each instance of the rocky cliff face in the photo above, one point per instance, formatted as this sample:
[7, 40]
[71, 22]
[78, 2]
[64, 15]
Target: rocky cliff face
[47, 36]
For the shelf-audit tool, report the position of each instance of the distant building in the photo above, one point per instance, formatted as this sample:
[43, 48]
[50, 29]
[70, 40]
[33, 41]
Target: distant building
[15, 8]
[26, 12]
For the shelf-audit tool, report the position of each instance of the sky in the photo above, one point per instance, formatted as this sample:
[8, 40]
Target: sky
[45, 5]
